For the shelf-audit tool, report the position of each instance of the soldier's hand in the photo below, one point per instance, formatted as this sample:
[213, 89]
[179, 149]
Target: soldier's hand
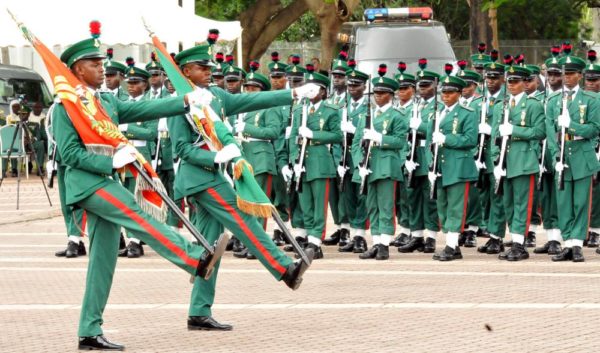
[499, 172]
[49, 168]
[485, 129]
[432, 177]
[479, 165]
[564, 120]
[348, 127]
[288, 132]
[438, 138]
[415, 123]
[410, 166]
[309, 90]
[287, 173]
[239, 126]
[305, 132]
[559, 167]
[199, 97]
[341, 171]
[123, 127]
[162, 125]
[373, 135]
[227, 153]
[363, 172]
[506, 129]
[298, 169]
[124, 156]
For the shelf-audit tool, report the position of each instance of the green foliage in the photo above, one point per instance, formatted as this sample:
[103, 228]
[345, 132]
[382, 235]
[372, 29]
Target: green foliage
[306, 28]
[222, 10]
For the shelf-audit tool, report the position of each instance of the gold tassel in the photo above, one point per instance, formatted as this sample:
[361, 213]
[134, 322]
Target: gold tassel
[238, 168]
[254, 209]
[158, 213]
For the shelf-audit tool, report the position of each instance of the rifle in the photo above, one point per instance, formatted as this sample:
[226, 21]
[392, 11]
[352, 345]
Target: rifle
[341, 184]
[540, 186]
[53, 174]
[482, 137]
[436, 147]
[366, 144]
[300, 158]
[289, 184]
[48, 127]
[413, 140]
[564, 109]
[502, 160]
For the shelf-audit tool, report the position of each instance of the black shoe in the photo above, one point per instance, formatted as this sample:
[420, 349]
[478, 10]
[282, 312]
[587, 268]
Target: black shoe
[237, 245]
[371, 253]
[318, 252]
[429, 246]
[530, 240]
[122, 244]
[593, 240]
[415, 243]
[565, 255]
[293, 276]
[206, 263]
[517, 252]
[344, 237]
[250, 256]
[99, 343]
[598, 251]
[551, 248]
[134, 250]
[333, 239]
[301, 241]
[206, 323]
[360, 245]
[461, 238]
[448, 254]
[577, 254]
[73, 250]
[401, 239]
[470, 239]
[278, 237]
[383, 253]
[348, 247]
[483, 233]
[492, 246]
[230, 243]
[241, 254]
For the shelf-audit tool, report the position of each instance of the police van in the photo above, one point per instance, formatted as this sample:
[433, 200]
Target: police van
[390, 35]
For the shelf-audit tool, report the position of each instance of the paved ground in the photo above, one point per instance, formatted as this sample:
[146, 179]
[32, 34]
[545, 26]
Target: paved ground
[407, 304]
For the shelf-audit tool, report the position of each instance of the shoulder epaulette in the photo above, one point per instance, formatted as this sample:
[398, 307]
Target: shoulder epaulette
[467, 108]
[479, 98]
[554, 94]
[331, 105]
[590, 94]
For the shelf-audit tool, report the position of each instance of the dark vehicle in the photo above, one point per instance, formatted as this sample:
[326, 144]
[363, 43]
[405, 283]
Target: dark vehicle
[399, 34]
[17, 81]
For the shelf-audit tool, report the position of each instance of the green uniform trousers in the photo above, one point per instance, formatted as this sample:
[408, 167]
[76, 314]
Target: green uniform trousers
[354, 204]
[338, 212]
[281, 200]
[496, 222]
[518, 202]
[595, 215]
[314, 200]
[296, 210]
[75, 218]
[485, 191]
[381, 205]
[109, 209]
[423, 212]
[574, 210]
[167, 177]
[402, 208]
[452, 202]
[265, 181]
[548, 201]
[215, 209]
[536, 216]
[473, 207]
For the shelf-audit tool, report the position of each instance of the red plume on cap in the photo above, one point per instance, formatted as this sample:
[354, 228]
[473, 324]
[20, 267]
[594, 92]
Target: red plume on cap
[219, 57]
[448, 68]
[422, 63]
[401, 66]
[153, 56]
[275, 56]
[95, 29]
[382, 70]
[508, 59]
[109, 53]
[520, 59]
[310, 68]
[129, 61]
[351, 63]
[229, 59]
[591, 55]
[481, 48]
[254, 65]
[213, 35]
[494, 55]
[462, 64]
[295, 59]
[555, 50]
[343, 55]
[566, 48]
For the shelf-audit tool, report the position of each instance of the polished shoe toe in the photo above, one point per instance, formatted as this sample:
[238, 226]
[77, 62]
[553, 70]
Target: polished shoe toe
[565, 255]
[293, 275]
[99, 343]
[206, 323]
[369, 254]
[415, 243]
[577, 254]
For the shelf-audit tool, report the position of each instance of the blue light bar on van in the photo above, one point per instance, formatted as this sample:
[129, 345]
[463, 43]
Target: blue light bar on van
[385, 14]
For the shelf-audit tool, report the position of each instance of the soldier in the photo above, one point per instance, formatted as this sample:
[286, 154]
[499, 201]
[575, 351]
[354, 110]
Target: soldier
[521, 124]
[577, 126]
[423, 214]
[213, 200]
[321, 129]
[592, 84]
[455, 134]
[380, 163]
[114, 73]
[218, 77]
[234, 77]
[351, 197]
[479, 60]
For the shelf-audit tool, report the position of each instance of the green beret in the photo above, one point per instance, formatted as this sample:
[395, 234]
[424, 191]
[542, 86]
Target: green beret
[517, 72]
[572, 63]
[452, 83]
[317, 78]
[470, 76]
[384, 84]
[85, 49]
[136, 74]
[256, 79]
[114, 67]
[356, 77]
[201, 54]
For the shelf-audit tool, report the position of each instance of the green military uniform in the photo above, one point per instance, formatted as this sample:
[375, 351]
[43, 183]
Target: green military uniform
[592, 72]
[115, 67]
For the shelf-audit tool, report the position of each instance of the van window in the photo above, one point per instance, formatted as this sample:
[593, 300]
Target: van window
[33, 91]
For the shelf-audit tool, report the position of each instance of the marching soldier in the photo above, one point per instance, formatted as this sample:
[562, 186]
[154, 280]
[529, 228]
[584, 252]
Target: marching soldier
[455, 134]
[113, 75]
[380, 163]
[521, 125]
[577, 126]
[317, 170]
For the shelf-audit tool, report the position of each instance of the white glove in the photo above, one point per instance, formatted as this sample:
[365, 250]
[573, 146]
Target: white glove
[162, 125]
[564, 120]
[239, 126]
[348, 127]
[176, 165]
[363, 172]
[154, 163]
[309, 90]
[49, 168]
[341, 171]
[479, 165]
[410, 166]
[506, 129]
[199, 97]
[288, 132]
[303, 131]
[286, 173]
[123, 127]
[485, 129]
[228, 125]
[124, 156]
[371, 134]
[559, 167]
[499, 172]
[414, 123]
[432, 177]
[298, 169]
[227, 153]
[438, 138]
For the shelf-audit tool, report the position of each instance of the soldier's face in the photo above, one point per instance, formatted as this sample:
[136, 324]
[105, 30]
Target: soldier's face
[339, 81]
[554, 80]
[426, 89]
[356, 91]
[233, 86]
[494, 83]
[169, 86]
[450, 97]
[219, 81]
[294, 83]
[469, 91]
[90, 72]
[531, 85]
[405, 93]
[136, 88]
[515, 87]
[590, 85]
[252, 89]
[198, 74]
[572, 79]
[382, 98]
[156, 80]
[278, 82]
[113, 81]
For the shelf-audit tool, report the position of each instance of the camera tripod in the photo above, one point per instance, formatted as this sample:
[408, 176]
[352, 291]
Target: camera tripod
[21, 126]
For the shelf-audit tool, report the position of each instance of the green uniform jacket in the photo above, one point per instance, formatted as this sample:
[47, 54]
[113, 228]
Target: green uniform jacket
[488, 156]
[455, 156]
[166, 147]
[144, 131]
[197, 170]
[422, 152]
[87, 172]
[325, 125]
[281, 143]
[339, 103]
[356, 116]
[580, 156]
[522, 149]
[264, 125]
[385, 161]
